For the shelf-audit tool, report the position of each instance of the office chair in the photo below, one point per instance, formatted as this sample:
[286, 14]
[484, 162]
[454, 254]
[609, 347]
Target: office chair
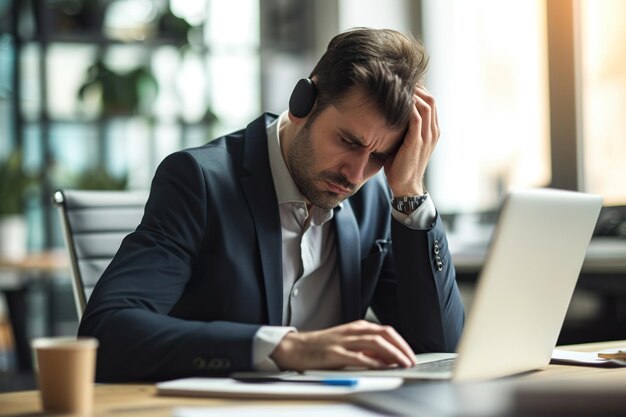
[94, 225]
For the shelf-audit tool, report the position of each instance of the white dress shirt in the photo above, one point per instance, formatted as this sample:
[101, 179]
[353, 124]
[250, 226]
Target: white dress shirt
[311, 293]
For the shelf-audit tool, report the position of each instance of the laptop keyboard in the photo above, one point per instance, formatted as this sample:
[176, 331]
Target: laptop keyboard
[443, 365]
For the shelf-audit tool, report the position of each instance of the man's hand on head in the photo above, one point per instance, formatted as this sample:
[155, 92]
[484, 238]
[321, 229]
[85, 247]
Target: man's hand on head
[405, 170]
[356, 344]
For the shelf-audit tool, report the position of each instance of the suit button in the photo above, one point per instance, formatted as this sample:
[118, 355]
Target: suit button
[199, 363]
[214, 363]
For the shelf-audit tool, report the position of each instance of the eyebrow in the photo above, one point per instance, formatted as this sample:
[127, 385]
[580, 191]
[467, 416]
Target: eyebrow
[357, 141]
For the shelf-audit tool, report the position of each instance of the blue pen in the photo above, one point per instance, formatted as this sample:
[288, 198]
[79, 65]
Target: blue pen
[343, 382]
[340, 382]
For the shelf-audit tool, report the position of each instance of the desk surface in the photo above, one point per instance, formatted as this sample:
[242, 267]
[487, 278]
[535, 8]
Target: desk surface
[50, 261]
[122, 400]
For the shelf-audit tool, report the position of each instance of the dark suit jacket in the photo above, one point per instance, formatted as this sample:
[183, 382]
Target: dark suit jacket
[188, 290]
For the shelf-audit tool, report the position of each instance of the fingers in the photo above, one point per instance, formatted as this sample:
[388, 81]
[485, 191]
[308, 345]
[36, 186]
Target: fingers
[395, 344]
[357, 359]
[357, 344]
[427, 111]
[376, 346]
[405, 172]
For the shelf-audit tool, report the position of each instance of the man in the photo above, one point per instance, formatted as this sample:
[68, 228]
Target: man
[263, 249]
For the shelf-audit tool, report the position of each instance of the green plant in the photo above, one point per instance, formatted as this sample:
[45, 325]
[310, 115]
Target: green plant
[14, 181]
[122, 93]
[173, 27]
[99, 179]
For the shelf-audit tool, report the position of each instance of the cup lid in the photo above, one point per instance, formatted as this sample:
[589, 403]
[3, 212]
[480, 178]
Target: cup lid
[64, 342]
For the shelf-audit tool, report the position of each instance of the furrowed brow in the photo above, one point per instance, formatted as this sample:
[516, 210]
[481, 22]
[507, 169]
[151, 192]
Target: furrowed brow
[357, 141]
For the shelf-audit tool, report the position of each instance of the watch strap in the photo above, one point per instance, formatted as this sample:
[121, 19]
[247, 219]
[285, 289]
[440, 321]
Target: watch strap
[408, 204]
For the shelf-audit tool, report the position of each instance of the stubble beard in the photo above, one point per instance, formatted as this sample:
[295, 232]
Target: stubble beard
[301, 159]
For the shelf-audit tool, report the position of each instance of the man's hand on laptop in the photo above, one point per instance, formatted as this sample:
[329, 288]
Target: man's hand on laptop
[357, 344]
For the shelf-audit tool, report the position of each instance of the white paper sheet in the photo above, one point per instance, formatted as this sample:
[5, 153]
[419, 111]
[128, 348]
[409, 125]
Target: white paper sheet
[228, 388]
[326, 410]
[584, 358]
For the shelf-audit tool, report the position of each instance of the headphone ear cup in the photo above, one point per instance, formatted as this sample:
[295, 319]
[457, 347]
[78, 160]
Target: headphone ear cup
[302, 98]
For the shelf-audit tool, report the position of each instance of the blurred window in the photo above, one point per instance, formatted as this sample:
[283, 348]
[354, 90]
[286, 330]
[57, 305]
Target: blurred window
[603, 97]
[488, 74]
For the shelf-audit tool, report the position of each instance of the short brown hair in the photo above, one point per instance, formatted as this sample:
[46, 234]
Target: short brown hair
[385, 63]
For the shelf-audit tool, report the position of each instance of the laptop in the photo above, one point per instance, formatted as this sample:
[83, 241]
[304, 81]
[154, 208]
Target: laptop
[523, 290]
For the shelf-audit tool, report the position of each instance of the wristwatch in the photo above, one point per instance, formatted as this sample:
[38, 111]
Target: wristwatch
[408, 204]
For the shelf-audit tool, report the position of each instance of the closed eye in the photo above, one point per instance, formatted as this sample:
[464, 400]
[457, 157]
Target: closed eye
[348, 142]
[378, 158]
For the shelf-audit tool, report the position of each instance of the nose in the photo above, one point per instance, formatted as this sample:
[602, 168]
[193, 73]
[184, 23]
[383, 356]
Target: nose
[354, 168]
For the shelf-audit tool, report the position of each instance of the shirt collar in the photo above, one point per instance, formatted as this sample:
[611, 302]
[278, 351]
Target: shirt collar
[286, 189]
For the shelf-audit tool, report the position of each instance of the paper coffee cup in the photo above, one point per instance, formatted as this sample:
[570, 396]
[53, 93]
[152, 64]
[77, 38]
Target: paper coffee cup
[66, 370]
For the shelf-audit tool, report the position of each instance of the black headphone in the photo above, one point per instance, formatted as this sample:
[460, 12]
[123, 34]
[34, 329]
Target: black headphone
[302, 98]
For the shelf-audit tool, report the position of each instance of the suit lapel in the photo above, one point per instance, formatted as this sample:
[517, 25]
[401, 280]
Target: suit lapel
[258, 187]
[349, 249]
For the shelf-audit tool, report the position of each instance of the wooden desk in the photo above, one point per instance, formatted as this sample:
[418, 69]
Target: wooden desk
[15, 277]
[140, 400]
[41, 262]
[132, 400]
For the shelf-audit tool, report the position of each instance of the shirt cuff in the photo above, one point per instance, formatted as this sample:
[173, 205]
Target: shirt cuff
[265, 341]
[422, 218]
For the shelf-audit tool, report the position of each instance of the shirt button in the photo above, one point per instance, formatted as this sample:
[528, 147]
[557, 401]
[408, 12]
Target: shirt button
[407, 221]
[301, 211]
[295, 292]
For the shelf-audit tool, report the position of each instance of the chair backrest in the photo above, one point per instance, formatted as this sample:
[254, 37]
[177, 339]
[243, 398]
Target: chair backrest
[94, 225]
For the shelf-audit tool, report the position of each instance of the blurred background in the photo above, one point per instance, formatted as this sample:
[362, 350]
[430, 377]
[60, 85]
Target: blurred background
[95, 93]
